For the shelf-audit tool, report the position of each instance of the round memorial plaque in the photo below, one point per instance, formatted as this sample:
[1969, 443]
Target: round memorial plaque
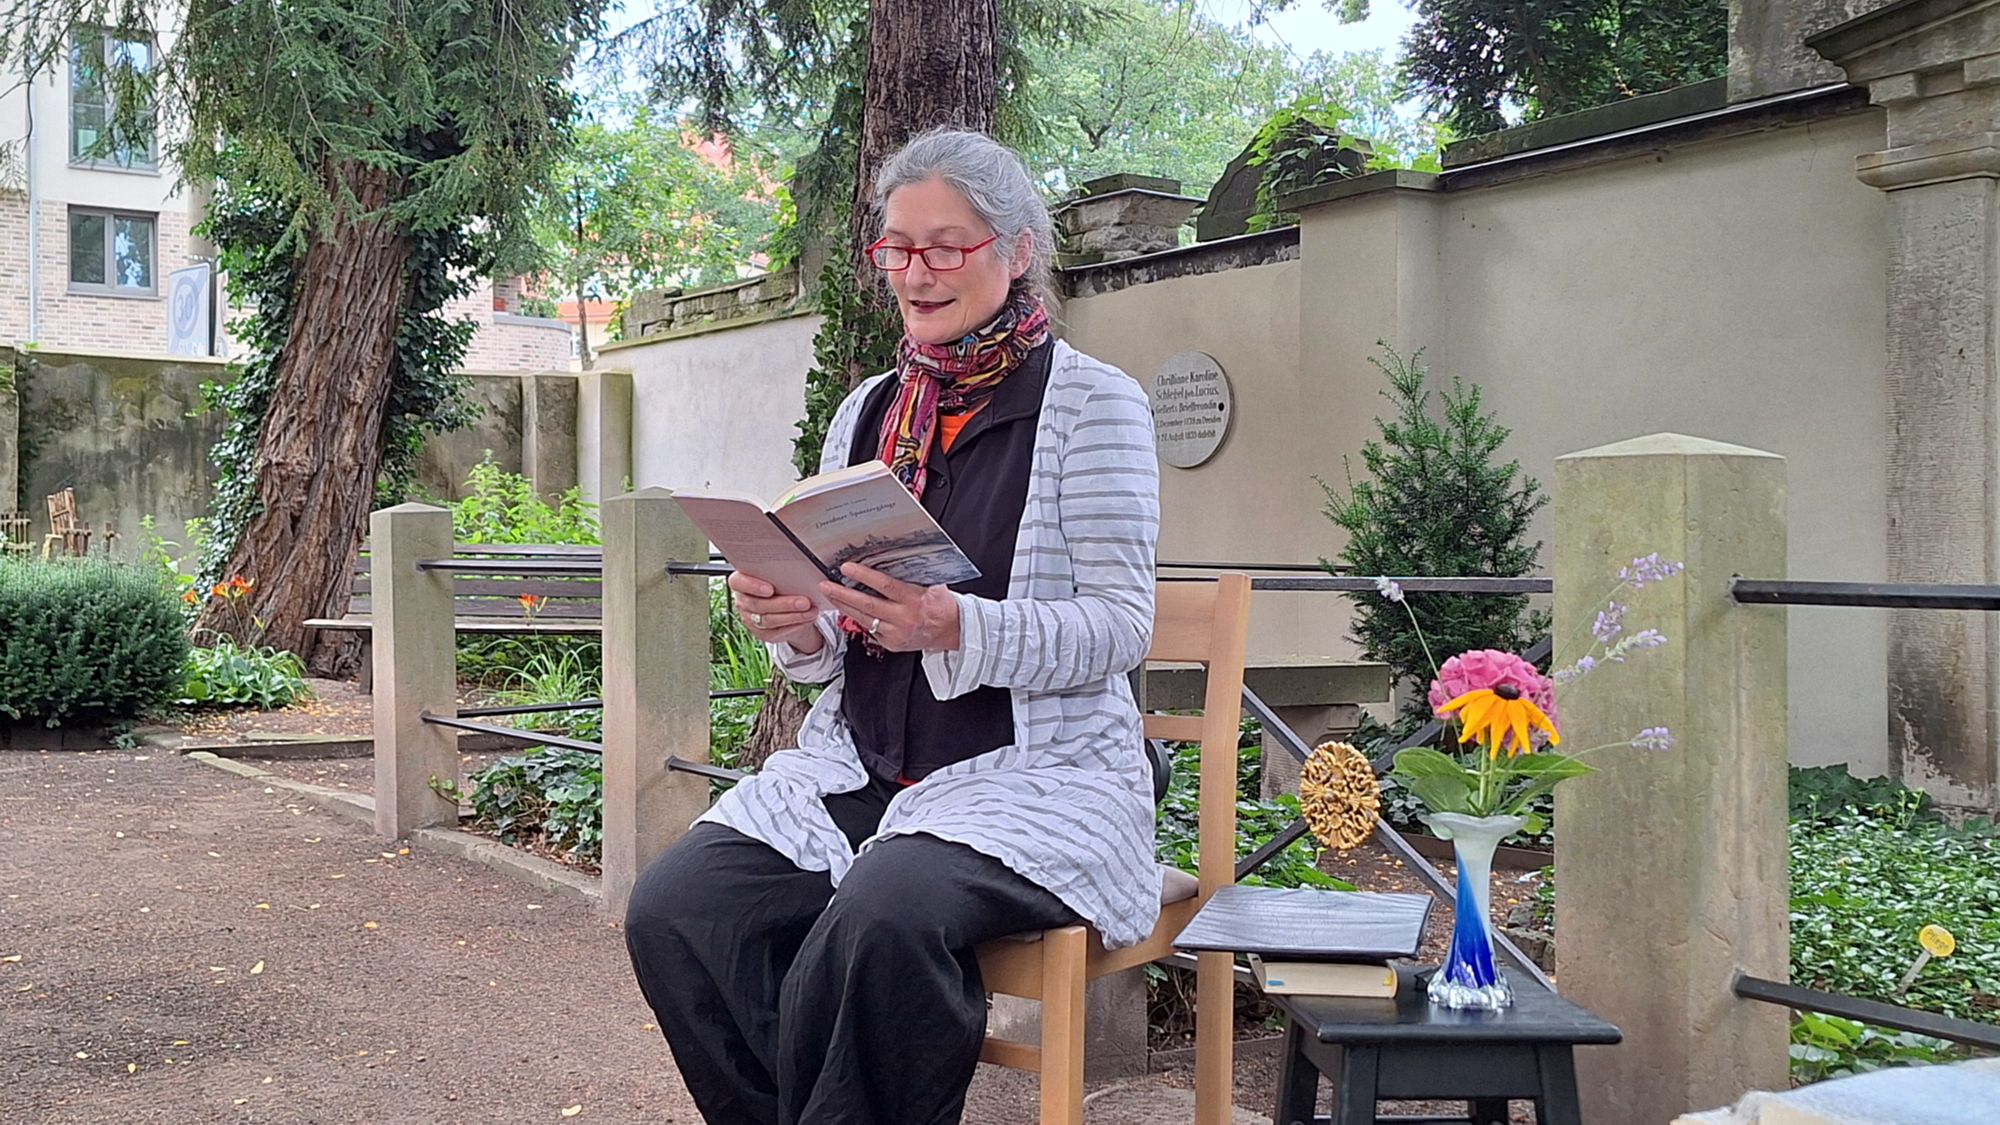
[1191, 408]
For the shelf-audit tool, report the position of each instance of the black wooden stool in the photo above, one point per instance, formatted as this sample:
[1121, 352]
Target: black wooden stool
[1407, 1049]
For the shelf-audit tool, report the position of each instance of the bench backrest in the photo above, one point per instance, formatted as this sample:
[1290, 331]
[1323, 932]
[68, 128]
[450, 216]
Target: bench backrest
[499, 596]
[1206, 622]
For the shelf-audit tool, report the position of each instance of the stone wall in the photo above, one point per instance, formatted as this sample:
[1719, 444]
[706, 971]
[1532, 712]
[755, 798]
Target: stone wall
[131, 435]
[673, 310]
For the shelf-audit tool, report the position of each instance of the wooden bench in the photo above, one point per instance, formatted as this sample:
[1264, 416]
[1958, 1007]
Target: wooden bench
[490, 604]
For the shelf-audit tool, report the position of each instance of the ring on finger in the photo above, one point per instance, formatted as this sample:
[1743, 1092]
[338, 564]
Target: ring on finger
[874, 626]
[757, 619]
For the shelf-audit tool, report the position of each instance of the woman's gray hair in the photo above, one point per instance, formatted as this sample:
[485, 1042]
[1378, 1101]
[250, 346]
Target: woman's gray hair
[993, 180]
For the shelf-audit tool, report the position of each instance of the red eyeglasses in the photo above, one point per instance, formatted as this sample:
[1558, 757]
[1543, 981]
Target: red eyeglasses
[941, 259]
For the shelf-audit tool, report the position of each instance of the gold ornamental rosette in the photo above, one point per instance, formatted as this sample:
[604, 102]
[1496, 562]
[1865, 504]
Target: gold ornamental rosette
[1339, 795]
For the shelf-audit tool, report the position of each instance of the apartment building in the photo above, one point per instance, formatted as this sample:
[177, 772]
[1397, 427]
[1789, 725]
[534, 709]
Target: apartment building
[93, 230]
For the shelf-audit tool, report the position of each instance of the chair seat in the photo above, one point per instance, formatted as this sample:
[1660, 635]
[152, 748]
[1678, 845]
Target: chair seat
[1175, 886]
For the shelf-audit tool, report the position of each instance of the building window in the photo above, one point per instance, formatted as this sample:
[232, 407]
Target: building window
[100, 62]
[112, 252]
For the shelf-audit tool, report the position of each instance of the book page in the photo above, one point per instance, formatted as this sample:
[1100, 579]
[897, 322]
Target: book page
[875, 521]
[755, 546]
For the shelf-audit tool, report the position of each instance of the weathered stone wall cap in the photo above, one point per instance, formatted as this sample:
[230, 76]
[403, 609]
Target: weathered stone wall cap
[1121, 181]
[1391, 179]
[1597, 121]
[1884, 23]
[1670, 445]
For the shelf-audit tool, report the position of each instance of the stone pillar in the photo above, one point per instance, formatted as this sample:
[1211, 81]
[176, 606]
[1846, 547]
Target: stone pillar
[416, 668]
[1123, 217]
[1936, 71]
[1767, 44]
[655, 683]
[10, 435]
[549, 415]
[1671, 864]
[604, 437]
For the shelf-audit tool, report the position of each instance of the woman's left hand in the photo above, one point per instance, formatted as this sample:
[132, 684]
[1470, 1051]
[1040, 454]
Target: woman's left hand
[905, 618]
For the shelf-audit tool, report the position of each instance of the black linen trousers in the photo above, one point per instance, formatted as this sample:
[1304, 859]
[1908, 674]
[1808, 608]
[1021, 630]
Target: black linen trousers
[788, 1002]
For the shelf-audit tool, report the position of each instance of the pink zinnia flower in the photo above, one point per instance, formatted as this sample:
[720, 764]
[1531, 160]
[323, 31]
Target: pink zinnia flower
[1486, 669]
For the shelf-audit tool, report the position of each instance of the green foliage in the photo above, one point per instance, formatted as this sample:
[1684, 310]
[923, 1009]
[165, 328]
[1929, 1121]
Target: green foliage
[556, 676]
[549, 797]
[1864, 883]
[1438, 504]
[226, 674]
[1824, 794]
[503, 507]
[1826, 1046]
[1473, 58]
[1177, 838]
[249, 224]
[636, 207]
[855, 335]
[86, 642]
[1298, 147]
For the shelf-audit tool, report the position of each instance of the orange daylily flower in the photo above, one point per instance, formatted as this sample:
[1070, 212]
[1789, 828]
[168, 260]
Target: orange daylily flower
[189, 597]
[1500, 715]
[241, 585]
[531, 603]
[220, 590]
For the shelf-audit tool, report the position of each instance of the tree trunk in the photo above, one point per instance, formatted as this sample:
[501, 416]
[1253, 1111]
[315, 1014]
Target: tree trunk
[929, 64]
[320, 449]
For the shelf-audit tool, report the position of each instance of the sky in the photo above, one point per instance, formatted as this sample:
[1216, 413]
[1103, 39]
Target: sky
[1308, 26]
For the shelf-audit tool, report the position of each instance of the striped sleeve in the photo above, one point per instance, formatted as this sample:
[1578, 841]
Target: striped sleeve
[821, 666]
[1108, 511]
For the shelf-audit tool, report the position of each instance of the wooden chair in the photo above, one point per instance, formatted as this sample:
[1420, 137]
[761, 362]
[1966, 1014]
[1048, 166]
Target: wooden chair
[1194, 622]
[65, 529]
[14, 534]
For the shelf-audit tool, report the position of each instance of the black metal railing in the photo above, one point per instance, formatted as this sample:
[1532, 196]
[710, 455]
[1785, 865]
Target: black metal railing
[1967, 1032]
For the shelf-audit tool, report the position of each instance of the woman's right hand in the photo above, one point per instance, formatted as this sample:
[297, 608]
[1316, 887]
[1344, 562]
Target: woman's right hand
[773, 619]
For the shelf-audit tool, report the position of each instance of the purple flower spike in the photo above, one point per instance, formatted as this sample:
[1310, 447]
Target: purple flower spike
[1610, 622]
[1654, 738]
[1647, 570]
[1389, 588]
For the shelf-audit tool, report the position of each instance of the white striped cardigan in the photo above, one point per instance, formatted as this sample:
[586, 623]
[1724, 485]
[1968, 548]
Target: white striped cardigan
[1069, 805]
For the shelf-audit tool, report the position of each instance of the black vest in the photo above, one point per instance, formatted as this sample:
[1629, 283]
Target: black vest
[977, 492]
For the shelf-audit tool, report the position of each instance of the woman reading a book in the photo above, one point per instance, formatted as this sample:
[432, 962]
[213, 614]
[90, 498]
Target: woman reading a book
[975, 767]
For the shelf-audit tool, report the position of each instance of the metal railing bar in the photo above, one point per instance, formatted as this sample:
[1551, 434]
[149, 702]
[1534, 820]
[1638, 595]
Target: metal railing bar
[1187, 961]
[529, 709]
[711, 569]
[526, 568]
[1262, 712]
[679, 764]
[1279, 841]
[1864, 595]
[1302, 568]
[735, 693]
[1875, 1012]
[1509, 587]
[556, 740]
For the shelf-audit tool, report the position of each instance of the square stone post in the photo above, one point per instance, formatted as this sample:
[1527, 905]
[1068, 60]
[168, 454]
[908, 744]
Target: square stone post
[604, 440]
[416, 667]
[655, 683]
[549, 414]
[1935, 69]
[1671, 869]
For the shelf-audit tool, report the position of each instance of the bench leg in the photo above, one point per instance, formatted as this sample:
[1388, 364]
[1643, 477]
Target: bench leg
[364, 679]
[1558, 1104]
[1298, 1081]
[1354, 1097]
[1490, 1111]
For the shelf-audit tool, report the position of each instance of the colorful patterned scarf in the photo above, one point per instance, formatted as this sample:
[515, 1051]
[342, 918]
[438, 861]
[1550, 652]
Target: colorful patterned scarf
[955, 378]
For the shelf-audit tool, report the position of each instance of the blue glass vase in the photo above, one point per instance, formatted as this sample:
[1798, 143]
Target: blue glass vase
[1469, 979]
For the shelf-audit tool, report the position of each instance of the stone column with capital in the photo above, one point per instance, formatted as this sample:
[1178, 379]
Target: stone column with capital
[1935, 69]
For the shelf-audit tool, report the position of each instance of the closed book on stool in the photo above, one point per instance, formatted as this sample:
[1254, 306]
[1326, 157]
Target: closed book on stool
[1325, 978]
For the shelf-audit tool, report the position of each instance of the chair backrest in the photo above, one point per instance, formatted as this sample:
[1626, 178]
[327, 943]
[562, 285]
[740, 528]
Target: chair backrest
[62, 512]
[1206, 623]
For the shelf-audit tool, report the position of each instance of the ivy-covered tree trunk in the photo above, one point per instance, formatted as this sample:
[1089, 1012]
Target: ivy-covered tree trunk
[320, 447]
[929, 64]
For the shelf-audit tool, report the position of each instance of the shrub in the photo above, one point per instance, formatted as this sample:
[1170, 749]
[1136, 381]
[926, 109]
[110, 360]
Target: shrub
[548, 796]
[1258, 819]
[1440, 504]
[225, 674]
[86, 642]
[503, 507]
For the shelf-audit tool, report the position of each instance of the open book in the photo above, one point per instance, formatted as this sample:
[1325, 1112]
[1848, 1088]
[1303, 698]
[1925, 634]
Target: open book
[860, 514]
